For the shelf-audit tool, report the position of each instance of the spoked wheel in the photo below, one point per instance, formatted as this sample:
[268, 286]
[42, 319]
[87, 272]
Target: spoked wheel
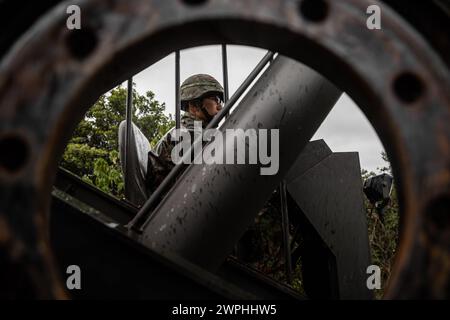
[52, 75]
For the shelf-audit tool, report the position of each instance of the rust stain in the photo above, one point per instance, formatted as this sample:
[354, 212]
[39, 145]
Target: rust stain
[5, 233]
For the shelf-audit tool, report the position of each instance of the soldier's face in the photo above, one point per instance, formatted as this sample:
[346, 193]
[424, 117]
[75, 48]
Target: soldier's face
[212, 105]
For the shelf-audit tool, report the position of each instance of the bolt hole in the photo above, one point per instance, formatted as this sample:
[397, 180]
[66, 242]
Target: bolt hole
[81, 42]
[314, 10]
[14, 153]
[194, 2]
[408, 87]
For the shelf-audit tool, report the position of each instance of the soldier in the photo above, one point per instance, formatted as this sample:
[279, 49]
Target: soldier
[201, 99]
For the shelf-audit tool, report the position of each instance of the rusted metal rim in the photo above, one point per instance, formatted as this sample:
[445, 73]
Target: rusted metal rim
[52, 75]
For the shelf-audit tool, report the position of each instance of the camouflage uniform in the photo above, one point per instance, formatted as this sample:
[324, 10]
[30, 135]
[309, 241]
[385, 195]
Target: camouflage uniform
[165, 145]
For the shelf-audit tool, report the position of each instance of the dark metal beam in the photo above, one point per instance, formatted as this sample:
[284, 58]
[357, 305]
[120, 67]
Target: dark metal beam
[115, 266]
[119, 210]
[135, 271]
[328, 191]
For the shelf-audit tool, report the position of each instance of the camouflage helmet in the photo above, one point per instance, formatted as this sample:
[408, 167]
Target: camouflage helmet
[198, 86]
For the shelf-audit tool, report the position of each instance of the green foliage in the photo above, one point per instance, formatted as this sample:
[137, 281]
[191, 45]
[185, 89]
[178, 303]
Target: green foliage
[271, 257]
[92, 152]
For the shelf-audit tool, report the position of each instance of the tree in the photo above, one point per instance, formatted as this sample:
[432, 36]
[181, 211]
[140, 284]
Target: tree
[92, 152]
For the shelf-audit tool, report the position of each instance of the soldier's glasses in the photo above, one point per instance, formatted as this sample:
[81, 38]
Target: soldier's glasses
[215, 98]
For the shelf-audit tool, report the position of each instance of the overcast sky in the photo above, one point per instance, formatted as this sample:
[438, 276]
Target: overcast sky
[345, 129]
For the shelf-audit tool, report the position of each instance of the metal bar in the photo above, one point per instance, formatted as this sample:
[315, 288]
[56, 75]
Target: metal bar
[285, 228]
[163, 187]
[128, 118]
[235, 97]
[193, 219]
[177, 90]
[225, 71]
[225, 74]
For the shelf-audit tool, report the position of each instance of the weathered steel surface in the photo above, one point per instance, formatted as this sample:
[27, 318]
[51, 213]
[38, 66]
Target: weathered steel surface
[330, 195]
[113, 266]
[53, 75]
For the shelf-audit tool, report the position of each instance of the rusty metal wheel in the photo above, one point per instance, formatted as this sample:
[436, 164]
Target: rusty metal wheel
[52, 75]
